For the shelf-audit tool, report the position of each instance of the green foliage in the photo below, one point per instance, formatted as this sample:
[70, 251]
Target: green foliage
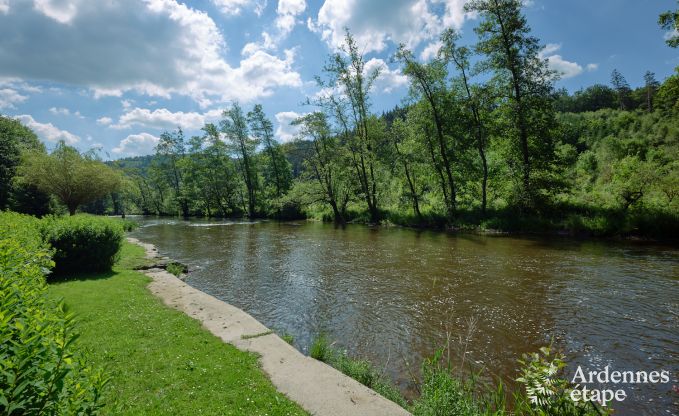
[320, 349]
[16, 139]
[176, 269]
[289, 338]
[365, 373]
[83, 242]
[441, 393]
[73, 178]
[40, 373]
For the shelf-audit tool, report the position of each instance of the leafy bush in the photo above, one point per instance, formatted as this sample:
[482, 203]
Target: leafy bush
[83, 243]
[39, 371]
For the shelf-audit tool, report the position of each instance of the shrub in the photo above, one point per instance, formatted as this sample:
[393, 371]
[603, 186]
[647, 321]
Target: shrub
[83, 243]
[39, 372]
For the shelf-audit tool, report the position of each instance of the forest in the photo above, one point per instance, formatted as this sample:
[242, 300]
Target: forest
[484, 141]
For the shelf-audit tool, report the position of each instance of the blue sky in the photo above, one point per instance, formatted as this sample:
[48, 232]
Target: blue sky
[114, 74]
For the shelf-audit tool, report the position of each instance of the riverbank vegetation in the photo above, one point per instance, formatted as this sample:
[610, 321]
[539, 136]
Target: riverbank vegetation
[445, 387]
[483, 141]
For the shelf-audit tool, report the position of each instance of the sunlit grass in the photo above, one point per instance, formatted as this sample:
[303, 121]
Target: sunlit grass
[162, 362]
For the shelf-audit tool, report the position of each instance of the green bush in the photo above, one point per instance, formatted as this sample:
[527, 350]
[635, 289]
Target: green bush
[39, 371]
[83, 243]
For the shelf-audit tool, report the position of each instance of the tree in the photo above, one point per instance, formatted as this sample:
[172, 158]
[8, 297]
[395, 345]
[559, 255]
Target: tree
[405, 155]
[669, 21]
[170, 150]
[349, 73]
[622, 89]
[73, 178]
[523, 79]
[324, 165]
[428, 82]
[651, 87]
[474, 100]
[235, 128]
[276, 169]
[16, 138]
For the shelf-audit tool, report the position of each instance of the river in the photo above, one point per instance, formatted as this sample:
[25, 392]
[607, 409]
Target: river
[395, 295]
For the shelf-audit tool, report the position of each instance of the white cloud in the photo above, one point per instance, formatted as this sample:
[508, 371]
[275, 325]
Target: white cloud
[388, 79]
[285, 132]
[287, 11]
[375, 23]
[105, 121]
[592, 67]
[564, 68]
[48, 131]
[60, 111]
[10, 97]
[4, 6]
[430, 51]
[136, 145]
[61, 11]
[236, 7]
[165, 119]
[153, 47]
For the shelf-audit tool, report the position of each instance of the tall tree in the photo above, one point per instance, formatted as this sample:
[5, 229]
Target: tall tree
[405, 155]
[348, 71]
[324, 163]
[73, 178]
[171, 150]
[524, 79]
[428, 82]
[651, 87]
[275, 169]
[474, 98]
[622, 89]
[235, 128]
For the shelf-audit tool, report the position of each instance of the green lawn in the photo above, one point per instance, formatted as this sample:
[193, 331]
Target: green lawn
[161, 362]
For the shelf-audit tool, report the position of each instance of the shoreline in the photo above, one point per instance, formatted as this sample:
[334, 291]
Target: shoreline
[315, 386]
[477, 231]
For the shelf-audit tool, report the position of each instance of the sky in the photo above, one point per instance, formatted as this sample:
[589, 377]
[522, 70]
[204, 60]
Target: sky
[114, 74]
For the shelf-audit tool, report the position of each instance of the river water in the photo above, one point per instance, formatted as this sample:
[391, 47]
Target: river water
[395, 295]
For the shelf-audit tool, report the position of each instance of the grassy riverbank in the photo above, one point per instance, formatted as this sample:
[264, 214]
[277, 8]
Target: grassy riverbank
[161, 361]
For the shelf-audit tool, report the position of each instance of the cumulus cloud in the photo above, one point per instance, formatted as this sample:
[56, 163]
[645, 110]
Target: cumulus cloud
[564, 68]
[104, 121]
[285, 132]
[287, 11]
[592, 67]
[4, 6]
[235, 7]
[430, 51]
[48, 131]
[136, 145]
[153, 47]
[10, 97]
[388, 79]
[165, 119]
[60, 111]
[375, 23]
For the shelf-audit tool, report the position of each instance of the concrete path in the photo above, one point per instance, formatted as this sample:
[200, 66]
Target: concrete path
[318, 388]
